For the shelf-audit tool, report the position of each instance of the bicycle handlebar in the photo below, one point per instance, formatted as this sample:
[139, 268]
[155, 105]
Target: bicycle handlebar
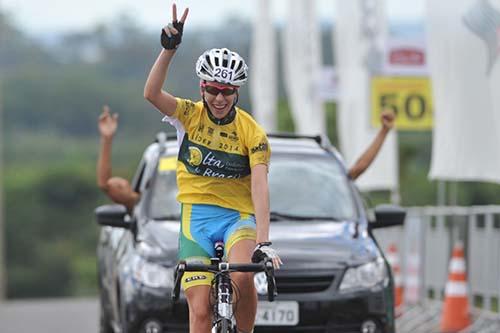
[225, 267]
[264, 266]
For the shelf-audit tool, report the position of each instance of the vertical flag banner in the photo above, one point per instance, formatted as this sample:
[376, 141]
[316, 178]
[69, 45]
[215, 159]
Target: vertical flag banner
[464, 61]
[359, 44]
[302, 66]
[263, 76]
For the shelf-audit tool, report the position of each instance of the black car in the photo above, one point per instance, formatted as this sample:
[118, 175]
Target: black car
[334, 278]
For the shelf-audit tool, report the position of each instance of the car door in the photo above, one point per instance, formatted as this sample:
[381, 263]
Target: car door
[117, 243]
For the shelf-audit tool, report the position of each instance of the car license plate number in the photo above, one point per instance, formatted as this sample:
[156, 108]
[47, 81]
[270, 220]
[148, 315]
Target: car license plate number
[282, 313]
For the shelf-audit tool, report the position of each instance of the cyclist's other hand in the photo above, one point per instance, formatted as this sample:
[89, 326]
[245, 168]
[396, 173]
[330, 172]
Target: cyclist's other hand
[263, 251]
[108, 122]
[387, 118]
[171, 35]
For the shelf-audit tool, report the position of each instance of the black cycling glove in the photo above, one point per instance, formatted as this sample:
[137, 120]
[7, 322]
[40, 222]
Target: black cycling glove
[172, 42]
[263, 251]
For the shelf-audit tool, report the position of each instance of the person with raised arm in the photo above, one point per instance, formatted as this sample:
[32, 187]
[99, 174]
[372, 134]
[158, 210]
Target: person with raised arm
[365, 160]
[118, 189]
[222, 174]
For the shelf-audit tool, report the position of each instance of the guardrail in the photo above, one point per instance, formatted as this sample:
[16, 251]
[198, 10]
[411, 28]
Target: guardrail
[425, 244]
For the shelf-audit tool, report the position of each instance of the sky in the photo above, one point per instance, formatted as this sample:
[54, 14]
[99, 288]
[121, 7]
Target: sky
[49, 16]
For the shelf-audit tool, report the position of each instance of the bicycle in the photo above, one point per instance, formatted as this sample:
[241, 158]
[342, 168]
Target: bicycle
[221, 286]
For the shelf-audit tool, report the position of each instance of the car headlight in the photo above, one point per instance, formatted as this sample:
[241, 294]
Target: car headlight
[147, 250]
[149, 273]
[152, 275]
[364, 276]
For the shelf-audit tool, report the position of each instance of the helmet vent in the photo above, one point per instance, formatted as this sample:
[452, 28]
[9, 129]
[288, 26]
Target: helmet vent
[239, 66]
[208, 61]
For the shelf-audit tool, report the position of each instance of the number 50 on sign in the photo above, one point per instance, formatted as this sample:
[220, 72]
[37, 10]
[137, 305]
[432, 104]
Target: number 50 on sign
[410, 98]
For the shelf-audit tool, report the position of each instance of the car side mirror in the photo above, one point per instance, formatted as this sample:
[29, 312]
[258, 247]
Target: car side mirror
[113, 216]
[388, 216]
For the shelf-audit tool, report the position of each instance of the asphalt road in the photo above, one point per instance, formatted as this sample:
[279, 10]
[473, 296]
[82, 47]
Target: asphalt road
[50, 316]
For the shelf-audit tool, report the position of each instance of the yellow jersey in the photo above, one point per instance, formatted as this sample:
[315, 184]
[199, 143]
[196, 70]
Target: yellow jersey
[215, 158]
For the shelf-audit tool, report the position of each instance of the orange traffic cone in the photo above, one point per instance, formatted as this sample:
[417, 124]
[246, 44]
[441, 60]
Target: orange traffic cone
[455, 316]
[393, 258]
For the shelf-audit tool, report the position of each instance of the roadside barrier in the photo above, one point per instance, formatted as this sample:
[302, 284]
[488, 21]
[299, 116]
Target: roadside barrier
[425, 243]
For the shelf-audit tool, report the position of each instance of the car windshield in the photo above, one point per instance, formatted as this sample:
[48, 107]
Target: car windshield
[164, 205]
[300, 186]
[309, 187]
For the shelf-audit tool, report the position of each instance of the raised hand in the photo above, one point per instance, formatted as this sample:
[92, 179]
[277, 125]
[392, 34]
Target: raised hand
[387, 118]
[171, 35]
[107, 123]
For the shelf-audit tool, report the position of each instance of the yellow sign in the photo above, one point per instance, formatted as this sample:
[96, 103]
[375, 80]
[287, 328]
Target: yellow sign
[167, 164]
[409, 97]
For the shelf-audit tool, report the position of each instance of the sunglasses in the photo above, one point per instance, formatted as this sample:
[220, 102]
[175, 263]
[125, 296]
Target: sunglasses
[216, 91]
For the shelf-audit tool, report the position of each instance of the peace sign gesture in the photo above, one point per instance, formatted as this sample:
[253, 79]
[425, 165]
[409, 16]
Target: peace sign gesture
[171, 35]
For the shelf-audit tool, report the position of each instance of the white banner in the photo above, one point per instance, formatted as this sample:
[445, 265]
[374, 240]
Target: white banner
[464, 51]
[302, 66]
[263, 76]
[360, 33]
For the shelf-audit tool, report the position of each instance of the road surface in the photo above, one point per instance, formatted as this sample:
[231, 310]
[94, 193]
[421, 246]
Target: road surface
[50, 316]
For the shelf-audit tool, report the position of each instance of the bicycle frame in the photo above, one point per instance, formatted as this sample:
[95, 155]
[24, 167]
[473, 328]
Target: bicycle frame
[223, 311]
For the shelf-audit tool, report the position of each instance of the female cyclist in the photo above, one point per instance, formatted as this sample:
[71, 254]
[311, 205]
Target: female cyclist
[221, 173]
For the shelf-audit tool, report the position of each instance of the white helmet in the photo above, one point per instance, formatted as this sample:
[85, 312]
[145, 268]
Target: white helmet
[223, 66]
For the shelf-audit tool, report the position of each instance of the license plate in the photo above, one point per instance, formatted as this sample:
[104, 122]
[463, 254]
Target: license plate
[282, 313]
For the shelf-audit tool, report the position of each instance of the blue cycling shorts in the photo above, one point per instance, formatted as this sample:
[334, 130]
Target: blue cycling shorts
[201, 227]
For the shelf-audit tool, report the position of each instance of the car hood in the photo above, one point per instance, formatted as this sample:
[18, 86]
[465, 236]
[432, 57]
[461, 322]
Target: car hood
[321, 244]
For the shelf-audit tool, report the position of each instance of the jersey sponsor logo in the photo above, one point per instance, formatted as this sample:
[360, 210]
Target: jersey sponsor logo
[233, 136]
[195, 156]
[189, 106]
[263, 146]
[202, 161]
[195, 278]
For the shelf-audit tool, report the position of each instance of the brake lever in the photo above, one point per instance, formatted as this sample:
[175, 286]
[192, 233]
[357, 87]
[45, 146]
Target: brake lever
[179, 272]
[271, 281]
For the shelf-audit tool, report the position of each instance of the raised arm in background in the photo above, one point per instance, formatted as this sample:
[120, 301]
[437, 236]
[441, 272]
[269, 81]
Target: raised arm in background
[117, 188]
[366, 159]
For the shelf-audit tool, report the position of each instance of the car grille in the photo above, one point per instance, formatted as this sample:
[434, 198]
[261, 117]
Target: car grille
[304, 281]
